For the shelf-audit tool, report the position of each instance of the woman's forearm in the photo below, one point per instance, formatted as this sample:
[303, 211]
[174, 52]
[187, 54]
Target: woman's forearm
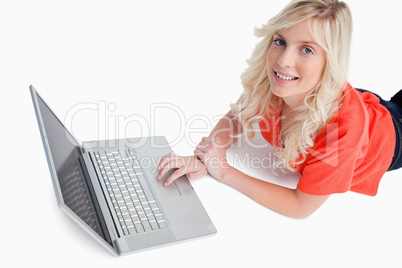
[212, 152]
[226, 130]
[289, 202]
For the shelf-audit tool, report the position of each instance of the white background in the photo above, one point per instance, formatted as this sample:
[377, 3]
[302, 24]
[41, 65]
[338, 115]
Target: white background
[190, 54]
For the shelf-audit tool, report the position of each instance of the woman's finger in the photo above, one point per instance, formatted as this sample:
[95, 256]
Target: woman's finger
[206, 139]
[176, 162]
[175, 175]
[200, 148]
[204, 144]
[197, 174]
[165, 159]
[199, 154]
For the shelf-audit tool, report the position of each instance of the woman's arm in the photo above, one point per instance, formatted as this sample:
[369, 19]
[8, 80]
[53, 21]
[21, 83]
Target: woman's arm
[226, 129]
[290, 202]
[210, 155]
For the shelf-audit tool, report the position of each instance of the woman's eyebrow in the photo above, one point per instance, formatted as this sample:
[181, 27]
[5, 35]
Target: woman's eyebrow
[310, 43]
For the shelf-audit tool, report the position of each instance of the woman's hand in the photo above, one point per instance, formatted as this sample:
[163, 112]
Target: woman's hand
[190, 165]
[213, 154]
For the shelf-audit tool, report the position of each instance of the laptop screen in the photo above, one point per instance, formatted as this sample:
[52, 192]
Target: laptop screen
[72, 177]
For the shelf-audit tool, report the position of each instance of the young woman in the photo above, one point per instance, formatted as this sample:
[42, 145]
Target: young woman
[338, 138]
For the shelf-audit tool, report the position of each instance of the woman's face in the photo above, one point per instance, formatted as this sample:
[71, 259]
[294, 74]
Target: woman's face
[295, 63]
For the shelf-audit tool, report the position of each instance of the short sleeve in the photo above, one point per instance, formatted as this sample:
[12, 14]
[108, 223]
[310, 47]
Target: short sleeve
[328, 173]
[330, 165]
[350, 153]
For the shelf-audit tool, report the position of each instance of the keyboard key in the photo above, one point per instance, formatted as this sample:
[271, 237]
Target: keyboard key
[125, 231]
[154, 225]
[147, 226]
[162, 224]
[132, 230]
[139, 228]
[159, 218]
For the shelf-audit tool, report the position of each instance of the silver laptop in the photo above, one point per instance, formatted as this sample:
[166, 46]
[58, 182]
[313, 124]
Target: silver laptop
[110, 188]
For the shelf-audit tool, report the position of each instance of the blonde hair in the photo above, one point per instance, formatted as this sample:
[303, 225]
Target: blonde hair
[330, 23]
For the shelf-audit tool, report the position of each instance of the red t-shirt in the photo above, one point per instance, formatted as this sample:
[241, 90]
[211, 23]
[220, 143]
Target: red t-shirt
[352, 152]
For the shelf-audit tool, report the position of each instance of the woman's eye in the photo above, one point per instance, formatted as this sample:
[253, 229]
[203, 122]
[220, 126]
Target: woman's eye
[307, 50]
[279, 42]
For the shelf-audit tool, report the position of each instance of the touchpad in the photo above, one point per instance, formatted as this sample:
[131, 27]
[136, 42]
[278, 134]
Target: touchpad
[169, 191]
[183, 185]
[180, 186]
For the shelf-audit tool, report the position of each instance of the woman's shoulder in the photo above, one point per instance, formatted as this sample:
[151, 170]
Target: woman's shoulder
[360, 118]
[353, 106]
[350, 124]
[360, 107]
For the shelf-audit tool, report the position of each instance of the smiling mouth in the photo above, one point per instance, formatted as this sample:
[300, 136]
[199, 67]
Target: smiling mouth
[287, 78]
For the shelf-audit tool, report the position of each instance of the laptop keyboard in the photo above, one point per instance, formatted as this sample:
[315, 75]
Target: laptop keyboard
[132, 199]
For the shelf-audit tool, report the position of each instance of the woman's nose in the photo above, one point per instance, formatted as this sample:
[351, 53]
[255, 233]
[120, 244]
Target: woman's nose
[286, 59]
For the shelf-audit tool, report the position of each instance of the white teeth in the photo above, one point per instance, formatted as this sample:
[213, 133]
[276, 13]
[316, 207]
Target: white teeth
[285, 77]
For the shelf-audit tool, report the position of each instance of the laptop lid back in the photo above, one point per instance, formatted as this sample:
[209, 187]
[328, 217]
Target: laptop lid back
[70, 179]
